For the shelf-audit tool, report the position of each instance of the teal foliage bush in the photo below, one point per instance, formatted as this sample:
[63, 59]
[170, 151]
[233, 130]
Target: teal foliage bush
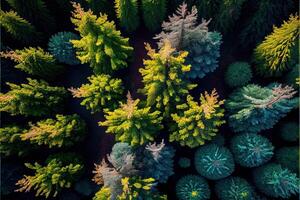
[214, 162]
[251, 150]
[158, 162]
[192, 187]
[289, 131]
[275, 181]
[253, 108]
[118, 152]
[234, 188]
[288, 157]
[238, 74]
[184, 162]
[62, 49]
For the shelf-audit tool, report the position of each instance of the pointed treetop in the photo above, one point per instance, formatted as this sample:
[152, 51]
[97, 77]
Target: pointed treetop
[130, 105]
[10, 54]
[78, 10]
[155, 149]
[209, 102]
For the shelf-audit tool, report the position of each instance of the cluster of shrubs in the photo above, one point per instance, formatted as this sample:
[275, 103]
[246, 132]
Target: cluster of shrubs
[187, 51]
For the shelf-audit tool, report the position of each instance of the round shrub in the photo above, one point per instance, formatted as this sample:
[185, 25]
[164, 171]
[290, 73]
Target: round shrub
[192, 187]
[251, 150]
[184, 162]
[288, 157]
[234, 188]
[61, 48]
[214, 162]
[290, 131]
[238, 74]
[275, 181]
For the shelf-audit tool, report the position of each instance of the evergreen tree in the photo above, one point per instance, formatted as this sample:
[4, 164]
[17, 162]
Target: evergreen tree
[11, 143]
[34, 11]
[208, 8]
[63, 131]
[280, 50]
[102, 92]
[185, 34]
[275, 181]
[36, 98]
[238, 74]
[154, 13]
[34, 61]
[195, 123]
[288, 157]
[228, 13]
[60, 171]
[289, 131]
[18, 27]
[100, 6]
[102, 194]
[254, 108]
[101, 44]
[127, 13]
[163, 78]
[132, 124]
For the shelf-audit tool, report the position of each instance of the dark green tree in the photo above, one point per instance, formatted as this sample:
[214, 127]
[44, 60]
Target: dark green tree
[288, 157]
[101, 45]
[102, 92]
[238, 74]
[208, 8]
[197, 122]
[127, 13]
[63, 131]
[35, 98]
[100, 6]
[133, 124]
[34, 61]
[154, 13]
[60, 171]
[163, 78]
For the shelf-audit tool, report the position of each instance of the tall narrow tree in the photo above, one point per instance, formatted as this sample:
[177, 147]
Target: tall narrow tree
[154, 13]
[127, 13]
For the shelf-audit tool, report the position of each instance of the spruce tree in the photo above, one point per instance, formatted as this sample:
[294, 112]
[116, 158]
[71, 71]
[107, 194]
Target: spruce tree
[101, 44]
[132, 124]
[34, 61]
[163, 78]
[60, 171]
[208, 8]
[184, 33]
[197, 122]
[102, 92]
[63, 131]
[18, 27]
[34, 11]
[154, 13]
[35, 98]
[127, 13]
[252, 108]
[280, 50]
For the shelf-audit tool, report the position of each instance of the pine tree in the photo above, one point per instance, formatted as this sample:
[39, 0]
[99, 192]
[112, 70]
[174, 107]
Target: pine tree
[34, 61]
[132, 124]
[101, 44]
[163, 78]
[102, 194]
[195, 123]
[34, 11]
[60, 171]
[18, 27]
[252, 108]
[127, 13]
[63, 131]
[279, 50]
[102, 92]
[154, 13]
[184, 33]
[35, 98]
[208, 8]
[11, 143]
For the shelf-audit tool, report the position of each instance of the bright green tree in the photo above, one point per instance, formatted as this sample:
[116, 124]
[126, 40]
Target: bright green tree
[34, 61]
[197, 122]
[102, 92]
[60, 171]
[63, 131]
[279, 51]
[163, 77]
[132, 124]
[35, 98]
[127, 13]
[102, 194]
[101, 44]
[11, 143]
[154, 13]
[18, 27]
